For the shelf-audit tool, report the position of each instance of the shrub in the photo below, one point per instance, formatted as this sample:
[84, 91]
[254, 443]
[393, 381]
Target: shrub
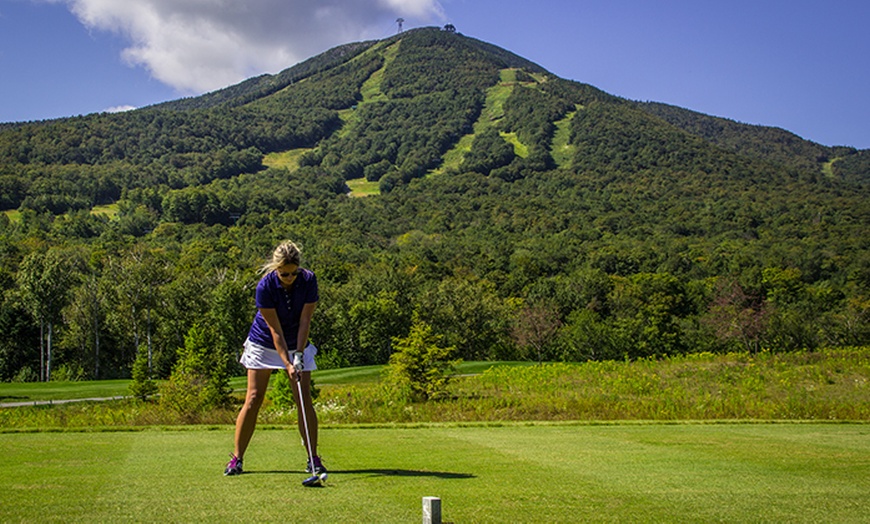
[200, 379]
[142, 386]
[281, 390]
[68, 373]
[26, 374]
[420, 368]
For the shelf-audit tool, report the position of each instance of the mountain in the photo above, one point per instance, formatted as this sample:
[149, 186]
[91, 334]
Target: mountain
[493, 185]
[448, 88]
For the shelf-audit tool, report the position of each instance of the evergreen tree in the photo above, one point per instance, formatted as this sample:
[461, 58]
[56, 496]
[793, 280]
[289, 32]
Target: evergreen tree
[141, 387]
[421, 367]
[200, 379]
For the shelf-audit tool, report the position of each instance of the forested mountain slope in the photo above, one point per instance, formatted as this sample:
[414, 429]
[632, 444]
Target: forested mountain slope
[765, 143]
[519, 215]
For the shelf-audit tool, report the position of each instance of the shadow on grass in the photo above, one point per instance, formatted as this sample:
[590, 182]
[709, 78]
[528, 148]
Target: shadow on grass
[404, 473]
[384, 472]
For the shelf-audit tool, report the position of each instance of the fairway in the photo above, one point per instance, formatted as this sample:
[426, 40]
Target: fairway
[512, 473]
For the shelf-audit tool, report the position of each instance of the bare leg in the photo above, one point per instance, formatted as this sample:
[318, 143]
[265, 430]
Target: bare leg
[310, 414]
[258, 381]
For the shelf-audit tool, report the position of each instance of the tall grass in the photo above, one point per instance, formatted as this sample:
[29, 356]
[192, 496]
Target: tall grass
[831, 384]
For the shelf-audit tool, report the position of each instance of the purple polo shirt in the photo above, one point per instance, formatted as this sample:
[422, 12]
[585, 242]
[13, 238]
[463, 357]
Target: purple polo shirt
[287, 303]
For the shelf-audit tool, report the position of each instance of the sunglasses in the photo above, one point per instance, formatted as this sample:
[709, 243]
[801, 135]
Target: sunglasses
[294, 273]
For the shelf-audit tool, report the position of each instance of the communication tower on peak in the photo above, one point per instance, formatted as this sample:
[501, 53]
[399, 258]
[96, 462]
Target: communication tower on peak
[400, 21]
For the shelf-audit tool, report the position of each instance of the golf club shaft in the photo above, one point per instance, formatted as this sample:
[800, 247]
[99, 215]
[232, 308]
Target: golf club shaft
[301, 408]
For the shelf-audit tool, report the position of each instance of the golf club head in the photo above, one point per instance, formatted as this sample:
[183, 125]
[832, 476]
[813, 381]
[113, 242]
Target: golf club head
[311, 481]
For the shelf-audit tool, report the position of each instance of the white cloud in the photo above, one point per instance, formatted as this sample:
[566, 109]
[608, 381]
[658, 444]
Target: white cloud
[119, 109]
[202, 45]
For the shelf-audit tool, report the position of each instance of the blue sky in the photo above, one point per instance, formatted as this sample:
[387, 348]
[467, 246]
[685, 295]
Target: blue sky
[801, 65]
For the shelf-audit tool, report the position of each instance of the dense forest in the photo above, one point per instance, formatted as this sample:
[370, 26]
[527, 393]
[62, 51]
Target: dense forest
[519, 215]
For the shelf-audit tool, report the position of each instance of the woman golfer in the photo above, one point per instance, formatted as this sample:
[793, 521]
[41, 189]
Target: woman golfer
[286, 298]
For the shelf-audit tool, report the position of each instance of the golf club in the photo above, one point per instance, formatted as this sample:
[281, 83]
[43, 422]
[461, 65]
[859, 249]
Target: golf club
[314, 479]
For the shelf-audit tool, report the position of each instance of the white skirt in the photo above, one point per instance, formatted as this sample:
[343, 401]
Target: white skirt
[260, 357]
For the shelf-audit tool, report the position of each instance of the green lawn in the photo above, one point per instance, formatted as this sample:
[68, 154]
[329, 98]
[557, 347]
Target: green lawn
[510, 473]
[41, 391]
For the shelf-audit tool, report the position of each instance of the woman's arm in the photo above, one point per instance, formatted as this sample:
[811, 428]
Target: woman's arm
[305, 325]
[271, 318]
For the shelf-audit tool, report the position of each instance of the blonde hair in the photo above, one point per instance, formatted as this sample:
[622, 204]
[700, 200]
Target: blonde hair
[286, 253]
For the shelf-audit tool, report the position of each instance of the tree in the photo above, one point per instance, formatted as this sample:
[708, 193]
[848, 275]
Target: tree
[46, 281]
[420, 368]
[183, 302]
[470, 315]
[142, 386]
[586, 336]
[647, 308]
[135, 278]
[200, 379]
[736, 316]
[17, 329]
[84, 318]
[375, 321]
[230, 314]
[535, 327]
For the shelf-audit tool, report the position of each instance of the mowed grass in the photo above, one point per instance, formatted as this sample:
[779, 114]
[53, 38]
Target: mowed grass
[510, 473]
[42, 391]
[492, 112]
[13, 215]
[520, 149]
[109, 210]
[360, 187]
[285, 159]
[562, 150]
